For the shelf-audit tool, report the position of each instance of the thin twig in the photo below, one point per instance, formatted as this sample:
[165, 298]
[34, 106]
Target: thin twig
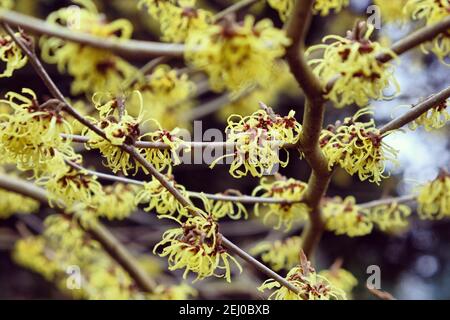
[115, 249]
[126, 48]
[387, 201]
[238, 6]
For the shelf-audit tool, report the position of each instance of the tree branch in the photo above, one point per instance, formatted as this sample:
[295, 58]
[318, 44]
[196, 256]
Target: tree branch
[111, 245]
[125, 48]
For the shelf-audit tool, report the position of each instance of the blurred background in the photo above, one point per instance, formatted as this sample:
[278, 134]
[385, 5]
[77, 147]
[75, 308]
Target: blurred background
[415, 263]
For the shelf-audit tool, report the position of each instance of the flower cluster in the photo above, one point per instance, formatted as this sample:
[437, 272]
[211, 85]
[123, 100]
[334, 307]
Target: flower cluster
[220, 209]
[435, 118]
[432, 11]
[434, 198]
[357, 147]
[392, 11]
[158, 198]
[64, 245]
[344, 216]
[350, 66]
[390, 217]
[322, 7]
[166, 94]
[197, 247]
[281, 254]
[19, 143]
[11, 55]
[257, 139]
[236, 55]
[117, 201]
[285, 214]
[178, 19]
[310, 285]
[340, 278]
[92, 69]
[12, 203]
[71, 186]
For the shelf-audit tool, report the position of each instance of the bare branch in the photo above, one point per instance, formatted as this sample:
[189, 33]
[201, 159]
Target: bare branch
[126, 48]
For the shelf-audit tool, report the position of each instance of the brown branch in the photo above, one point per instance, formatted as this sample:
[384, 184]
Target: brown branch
[419, 109]
[125, 48]
[383, 295]
[114, 248]
[134, 153]
[313, 118]
[241, 5]
[387, 201]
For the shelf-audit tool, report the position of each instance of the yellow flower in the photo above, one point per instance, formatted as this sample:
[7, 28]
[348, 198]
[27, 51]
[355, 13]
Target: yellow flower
[65, 246]
[11, 55]
[257, 139]
[432, 11]
[324, 7]
[311, 285]
[12, 203]
[236, 55]
[392, 11]
[117, 201]
[434, 118]
[30, 136]
[390, 217]
[93, 69]
[357, 147]
[344, 216]
[197, 247]
[178, 19]
[161, 200]
[164, 158]
[178, 292]
[71, 186]
[340, 278]
[166, 95]
[351, 64]
[281, 254]
[221, 209]
[434, 198]
[283, 189]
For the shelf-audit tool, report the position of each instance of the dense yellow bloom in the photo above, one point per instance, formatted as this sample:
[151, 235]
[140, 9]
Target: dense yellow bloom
[178, 19]
[93, 69]
[281, 254]
[197, 247]
[392, 11]
[30, 136]
[344, 216]
[164, 158]
[65, 245]
[391, 217]
[116, 202]
[178, 292]
[158, 198]
[284, 7]
[220, 209]
[11, 55]
[284, 214]
[120, 128]
[434, 118]
[434, 198]
[340, 278]
[71, 186]
[351, 64]
[12, 203]
[311, 285]
[166, 94]
[432, 11]
[357, 147]
[257, 139]
[236, 55]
